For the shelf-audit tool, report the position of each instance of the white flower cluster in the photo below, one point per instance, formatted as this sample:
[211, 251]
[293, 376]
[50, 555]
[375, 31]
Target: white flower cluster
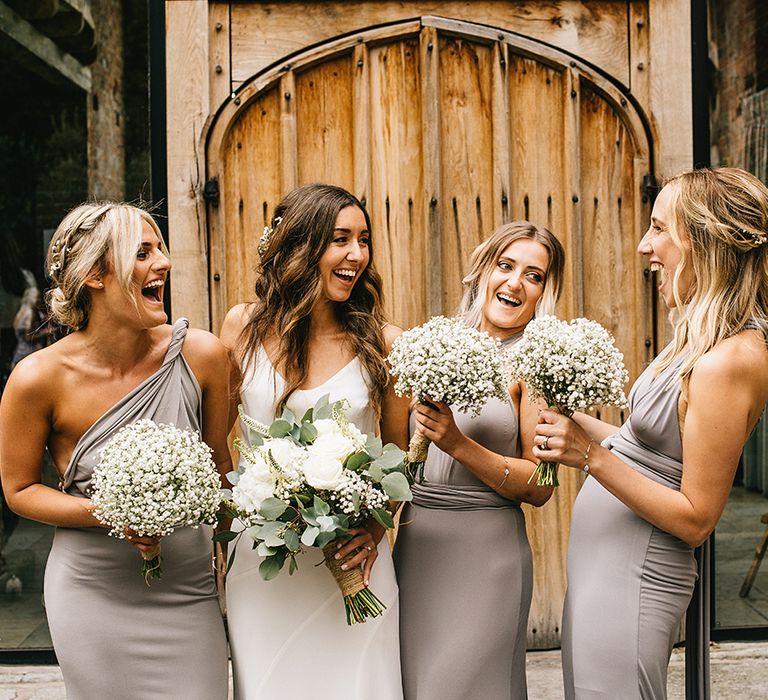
[282, 467]
[448, 361]
[154, 478]
[572, 366]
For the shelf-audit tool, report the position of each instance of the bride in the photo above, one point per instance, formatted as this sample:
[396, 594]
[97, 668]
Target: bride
[316, 328]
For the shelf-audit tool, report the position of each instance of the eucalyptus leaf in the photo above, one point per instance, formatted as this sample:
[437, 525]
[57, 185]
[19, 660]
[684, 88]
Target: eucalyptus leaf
[256, 439]
[373, 446]
[309, 535]
[307, 433]
[390, 459]
[323, 412]
[233, 478]
[322, 402]
[270, 567]
[272, 508]
[264, 551]
[231, 559]
[383, 517]
[288, 415]
[225, 536]
[396, 487]
[292, 540]
[307, 417]
[295, 434]
[356, 501]
[357, 460]
[292, 566]
[226, 494]
[271, 534]
[321, 507]
[280, 428]
[324, 538]
[309, 515]
[375, 472]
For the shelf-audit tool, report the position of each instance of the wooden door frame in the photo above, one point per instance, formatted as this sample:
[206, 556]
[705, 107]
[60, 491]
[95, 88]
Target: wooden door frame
[577, 71]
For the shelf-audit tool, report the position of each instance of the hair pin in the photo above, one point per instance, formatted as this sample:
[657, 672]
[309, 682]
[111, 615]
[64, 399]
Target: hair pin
[266, 236]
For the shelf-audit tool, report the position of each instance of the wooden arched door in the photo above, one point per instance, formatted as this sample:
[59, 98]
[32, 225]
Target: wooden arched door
[446, 130]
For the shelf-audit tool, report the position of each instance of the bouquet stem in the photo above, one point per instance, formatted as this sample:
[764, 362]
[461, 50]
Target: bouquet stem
[546, 472]
[150, 565]
[417, 455]
[359, 601]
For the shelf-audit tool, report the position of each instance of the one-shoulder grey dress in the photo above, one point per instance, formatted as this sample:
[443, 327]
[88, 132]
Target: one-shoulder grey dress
[465, 573]
[114, 636]
[629, 583]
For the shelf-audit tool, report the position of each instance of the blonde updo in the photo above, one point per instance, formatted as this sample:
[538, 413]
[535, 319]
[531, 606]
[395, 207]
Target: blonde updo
[720, 224]
[93, 239]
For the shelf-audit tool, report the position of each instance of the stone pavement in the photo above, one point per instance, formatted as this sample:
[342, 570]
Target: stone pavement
[739, 672]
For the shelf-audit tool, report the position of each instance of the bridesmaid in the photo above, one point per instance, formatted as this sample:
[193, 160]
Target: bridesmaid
[114, 636]
[316, 327]
[660, 483]
[462, 556]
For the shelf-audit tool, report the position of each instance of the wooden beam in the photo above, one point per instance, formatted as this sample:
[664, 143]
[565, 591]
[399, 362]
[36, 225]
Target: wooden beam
[188, 103]
[41, 55]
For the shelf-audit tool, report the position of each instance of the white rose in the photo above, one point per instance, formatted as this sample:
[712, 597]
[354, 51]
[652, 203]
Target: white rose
[326, 426]
[287, 454]
[333, 446]
[323, 472]
[253, 488]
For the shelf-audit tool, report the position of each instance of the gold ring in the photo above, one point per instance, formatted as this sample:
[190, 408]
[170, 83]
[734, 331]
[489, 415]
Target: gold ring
[370, 549]
[545, 444]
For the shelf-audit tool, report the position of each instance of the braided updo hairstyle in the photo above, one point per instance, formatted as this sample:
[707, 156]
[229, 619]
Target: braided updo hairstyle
[91, 240]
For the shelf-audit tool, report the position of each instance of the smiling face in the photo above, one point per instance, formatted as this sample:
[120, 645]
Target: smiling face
[665, 255]
[149, 275]
[346, 256]
[514, 286]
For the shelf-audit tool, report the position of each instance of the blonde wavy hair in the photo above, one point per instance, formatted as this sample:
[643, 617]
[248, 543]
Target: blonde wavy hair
[483, 261]
[720, 224]
[91, 240]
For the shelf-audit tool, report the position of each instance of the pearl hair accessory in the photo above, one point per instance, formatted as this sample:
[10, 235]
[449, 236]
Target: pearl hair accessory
[266, 235]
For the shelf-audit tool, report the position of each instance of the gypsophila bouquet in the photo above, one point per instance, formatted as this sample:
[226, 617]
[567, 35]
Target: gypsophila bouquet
[446, 360]
[572, 367]
[306, 483]
[154, 478]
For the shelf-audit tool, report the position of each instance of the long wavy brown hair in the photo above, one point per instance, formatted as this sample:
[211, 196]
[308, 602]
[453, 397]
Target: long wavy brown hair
[289, 286]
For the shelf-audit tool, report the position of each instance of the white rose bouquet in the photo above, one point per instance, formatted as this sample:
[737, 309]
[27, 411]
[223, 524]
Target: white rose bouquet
[572, 366]
[307, 482]
[446, 360]
[153, 478]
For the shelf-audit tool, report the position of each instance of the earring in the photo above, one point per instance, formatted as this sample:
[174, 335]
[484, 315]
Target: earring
[101, 284]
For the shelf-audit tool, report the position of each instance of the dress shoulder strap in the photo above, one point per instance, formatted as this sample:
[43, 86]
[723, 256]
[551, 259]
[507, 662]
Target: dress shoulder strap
[178, 334]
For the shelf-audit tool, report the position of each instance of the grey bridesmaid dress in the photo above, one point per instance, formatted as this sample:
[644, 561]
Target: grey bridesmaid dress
[465, 573]
[629, 583]
[114, 636]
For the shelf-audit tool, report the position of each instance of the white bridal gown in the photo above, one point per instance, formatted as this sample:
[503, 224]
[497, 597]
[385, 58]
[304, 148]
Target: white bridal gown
[289, 636]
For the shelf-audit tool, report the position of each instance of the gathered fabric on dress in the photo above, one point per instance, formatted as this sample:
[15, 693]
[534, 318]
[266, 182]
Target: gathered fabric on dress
[115, 636]
[465, 572]
[629, 583]
[289, 636]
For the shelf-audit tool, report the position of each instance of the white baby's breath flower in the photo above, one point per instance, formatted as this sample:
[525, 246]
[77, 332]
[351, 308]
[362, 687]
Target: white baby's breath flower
[448, 361]
[153, 478]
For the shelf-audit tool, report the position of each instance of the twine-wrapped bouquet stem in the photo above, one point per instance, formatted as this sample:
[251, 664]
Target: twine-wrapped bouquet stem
[360, 603]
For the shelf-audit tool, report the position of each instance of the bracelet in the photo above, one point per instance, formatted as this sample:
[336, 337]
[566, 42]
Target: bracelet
[506, 472]
[585, 468]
